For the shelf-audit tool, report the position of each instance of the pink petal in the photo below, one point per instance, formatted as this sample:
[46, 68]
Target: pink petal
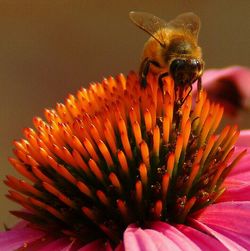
[120, 247]
[177, 237]
[236, 192]
[241, 172]
[137, 239]
[48, 244]
[227, 242]
[19, 236]
[241, 75]
[98, 245]
[231, 219]
[238, 183]
[244, 138]
[203, 241]
[62, 244]
[229, 86]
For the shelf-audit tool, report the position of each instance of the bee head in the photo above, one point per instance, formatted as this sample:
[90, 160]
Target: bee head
[185, 71]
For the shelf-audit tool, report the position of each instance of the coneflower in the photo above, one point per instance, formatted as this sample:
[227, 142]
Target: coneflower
[125, 168]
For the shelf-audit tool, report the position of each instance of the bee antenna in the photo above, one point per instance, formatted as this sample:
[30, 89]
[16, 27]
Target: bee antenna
[163, 45]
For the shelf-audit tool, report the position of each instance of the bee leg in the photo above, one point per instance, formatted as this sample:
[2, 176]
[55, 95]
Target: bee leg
[160, 80]
[199, 87]
[191, 88]
[144, 70]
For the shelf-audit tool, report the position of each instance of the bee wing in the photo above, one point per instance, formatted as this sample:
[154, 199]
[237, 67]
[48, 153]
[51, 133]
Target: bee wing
[149, 23]
[188, 22]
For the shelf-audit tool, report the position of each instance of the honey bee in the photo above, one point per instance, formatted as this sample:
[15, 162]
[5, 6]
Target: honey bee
[171, 50]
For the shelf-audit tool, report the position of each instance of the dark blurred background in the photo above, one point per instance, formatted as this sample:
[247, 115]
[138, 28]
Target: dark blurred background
[50, 48]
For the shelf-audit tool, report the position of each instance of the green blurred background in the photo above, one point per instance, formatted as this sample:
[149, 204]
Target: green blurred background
[50, 48]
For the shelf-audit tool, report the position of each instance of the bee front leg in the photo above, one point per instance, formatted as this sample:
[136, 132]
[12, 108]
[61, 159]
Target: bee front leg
[144, 70]
[199, 87]
[190, 90]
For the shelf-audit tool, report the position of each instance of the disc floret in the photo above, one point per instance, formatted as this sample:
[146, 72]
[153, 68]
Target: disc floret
[116, 154]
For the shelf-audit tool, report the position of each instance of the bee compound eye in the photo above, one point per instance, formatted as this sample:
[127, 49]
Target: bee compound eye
[198, 64]
[176, 65]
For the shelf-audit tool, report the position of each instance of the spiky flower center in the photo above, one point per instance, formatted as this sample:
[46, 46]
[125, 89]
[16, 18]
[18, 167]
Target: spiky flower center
[116, 154]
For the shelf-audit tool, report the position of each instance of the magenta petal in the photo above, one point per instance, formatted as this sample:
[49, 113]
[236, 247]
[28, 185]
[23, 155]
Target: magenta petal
[236, 193]
[120, 247]
[203, 241]
[241, 171]
[177, 237]
[232, 215]
[241, 75]
[230, 219]
[98, 245]
[62, 244]
[238, 181]
[137, 239]
[47, 243]
[244, 138]
[161, 242]
[228, 86]
[227, 242]
[19, 236]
